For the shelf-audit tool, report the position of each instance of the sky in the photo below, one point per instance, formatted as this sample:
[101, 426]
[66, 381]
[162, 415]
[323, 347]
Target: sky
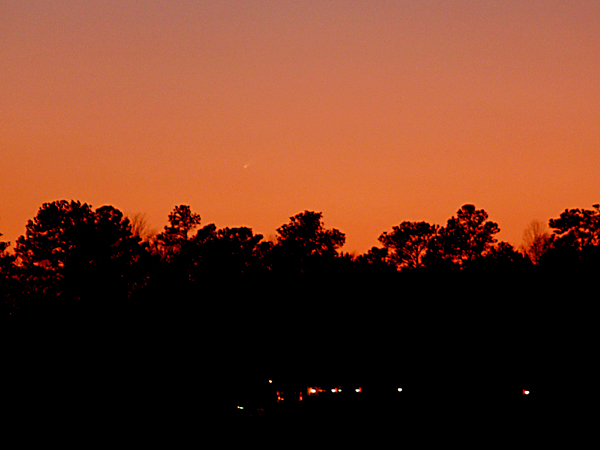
[371, 112]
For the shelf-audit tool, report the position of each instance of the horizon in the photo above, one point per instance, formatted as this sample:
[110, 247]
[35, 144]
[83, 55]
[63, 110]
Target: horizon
[272, 236]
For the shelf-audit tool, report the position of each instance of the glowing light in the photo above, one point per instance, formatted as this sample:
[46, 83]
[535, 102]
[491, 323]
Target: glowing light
[240, 407]
[334, 390]
[270, 381]
[525, 392]
[313, 390]
[399, 389]
[358, 390]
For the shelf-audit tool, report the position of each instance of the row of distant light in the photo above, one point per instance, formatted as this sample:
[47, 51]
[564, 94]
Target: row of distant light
[335, 390]
[339, 389]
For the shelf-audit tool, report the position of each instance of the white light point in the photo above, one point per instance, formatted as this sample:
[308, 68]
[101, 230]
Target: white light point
[399, 389]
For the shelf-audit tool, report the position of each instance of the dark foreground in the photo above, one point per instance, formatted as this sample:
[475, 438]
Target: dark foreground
[462, 351]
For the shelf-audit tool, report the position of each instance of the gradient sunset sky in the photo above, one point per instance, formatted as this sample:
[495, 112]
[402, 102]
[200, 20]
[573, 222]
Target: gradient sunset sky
[372, 112]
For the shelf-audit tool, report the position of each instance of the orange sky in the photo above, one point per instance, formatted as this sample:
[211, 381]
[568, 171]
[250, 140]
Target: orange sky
[373, 112]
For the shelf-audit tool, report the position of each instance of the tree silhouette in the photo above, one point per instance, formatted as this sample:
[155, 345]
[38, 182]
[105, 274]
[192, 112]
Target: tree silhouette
[225, 252]
[376, 260]
[409, 242]
[304, 241]
[5, 258]
[306, 232]
[57, 229]
[182, 221]
[577, 228]
[466, 236]
[176, 235]
[75, 252]
[504, 256]
[8, 280]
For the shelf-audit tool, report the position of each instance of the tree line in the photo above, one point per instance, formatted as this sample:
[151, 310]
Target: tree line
[71, 252]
